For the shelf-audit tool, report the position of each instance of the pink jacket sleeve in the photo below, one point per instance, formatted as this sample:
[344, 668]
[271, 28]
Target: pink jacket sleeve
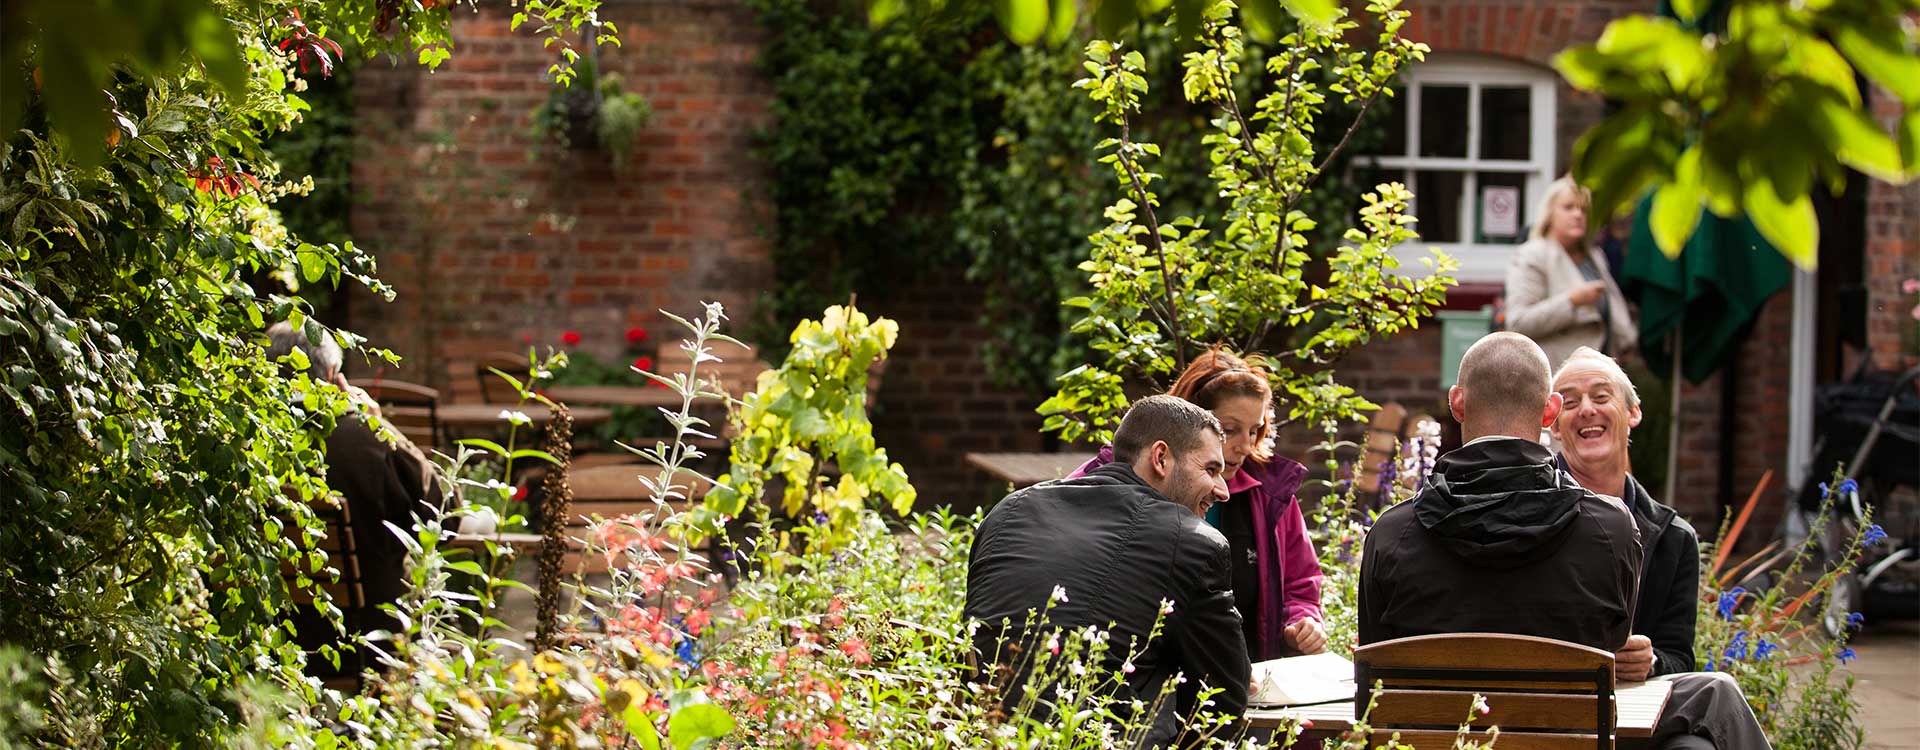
[1300, 567]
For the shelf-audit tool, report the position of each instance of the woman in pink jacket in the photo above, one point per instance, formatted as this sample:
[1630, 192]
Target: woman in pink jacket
[1276, 575]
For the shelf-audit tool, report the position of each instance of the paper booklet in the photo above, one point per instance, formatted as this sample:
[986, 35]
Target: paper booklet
[1301, 681]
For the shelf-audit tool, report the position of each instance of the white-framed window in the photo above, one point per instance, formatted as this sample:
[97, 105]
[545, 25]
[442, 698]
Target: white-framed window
[1473, 137]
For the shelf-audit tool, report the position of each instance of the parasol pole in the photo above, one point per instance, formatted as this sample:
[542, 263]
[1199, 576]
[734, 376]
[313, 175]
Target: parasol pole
[1673, 416]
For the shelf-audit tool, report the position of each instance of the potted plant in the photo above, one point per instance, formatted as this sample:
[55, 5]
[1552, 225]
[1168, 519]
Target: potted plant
[592, 111]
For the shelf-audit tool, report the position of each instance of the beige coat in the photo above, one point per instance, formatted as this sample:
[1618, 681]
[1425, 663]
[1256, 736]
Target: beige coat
[1542, 276]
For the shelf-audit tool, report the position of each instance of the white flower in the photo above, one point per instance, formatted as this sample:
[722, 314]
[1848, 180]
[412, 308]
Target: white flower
[516, 417]
[1127, 668]
[1053, 643]
[1166, 606]
[1059, 595]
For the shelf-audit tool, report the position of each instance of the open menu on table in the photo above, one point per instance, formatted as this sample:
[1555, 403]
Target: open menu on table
[1301, 681]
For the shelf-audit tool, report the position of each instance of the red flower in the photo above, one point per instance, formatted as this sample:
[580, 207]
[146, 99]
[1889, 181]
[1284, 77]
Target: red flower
[519, 493]
[857, 649]
[656, 384]
[570, 338]
[636, 335]
[218, 178]
[643, 363]
[308, 47]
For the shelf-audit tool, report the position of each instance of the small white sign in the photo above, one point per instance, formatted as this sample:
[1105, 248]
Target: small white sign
[1499, 211]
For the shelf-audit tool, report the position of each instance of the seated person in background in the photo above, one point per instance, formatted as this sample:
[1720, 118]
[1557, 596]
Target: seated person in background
[1599, 410]
[383, 478]
[1276, 575]
[1119, 541]
[1501, 541]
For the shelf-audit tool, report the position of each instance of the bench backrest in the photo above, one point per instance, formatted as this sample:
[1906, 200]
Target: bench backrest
[1543, 694]
[420, 422]
[615, 491]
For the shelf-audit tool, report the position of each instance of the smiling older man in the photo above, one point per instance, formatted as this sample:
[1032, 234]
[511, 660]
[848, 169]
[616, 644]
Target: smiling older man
[1599, 411]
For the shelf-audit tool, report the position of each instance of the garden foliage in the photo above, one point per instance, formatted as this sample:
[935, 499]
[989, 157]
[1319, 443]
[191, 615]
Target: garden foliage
[156, 469]
[937, 134]
[1747, 106]
[1166, 286]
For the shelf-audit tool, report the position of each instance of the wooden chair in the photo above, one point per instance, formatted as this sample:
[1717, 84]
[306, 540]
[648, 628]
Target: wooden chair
[493, 390]
[341, 579]
[612, 492]
[1544, 694]
[421, 427]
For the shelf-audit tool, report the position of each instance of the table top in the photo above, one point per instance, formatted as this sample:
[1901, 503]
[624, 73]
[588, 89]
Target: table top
[616, 395]
[504, 539]
[1023, 469]
[471, 416]
[1639, 707]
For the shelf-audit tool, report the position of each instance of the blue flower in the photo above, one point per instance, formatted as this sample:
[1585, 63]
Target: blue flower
[687, 647]
[1848, 487]
[1874, 534]
[1765, 649]
[1729, 600]
[1846, 655]
[1854, 620]
[1737, 650]
[820, 518]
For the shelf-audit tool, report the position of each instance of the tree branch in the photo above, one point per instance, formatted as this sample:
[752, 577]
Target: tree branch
[1153, 236]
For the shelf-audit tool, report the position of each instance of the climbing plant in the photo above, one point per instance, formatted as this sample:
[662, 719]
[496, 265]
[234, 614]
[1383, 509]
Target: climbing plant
[155, 468]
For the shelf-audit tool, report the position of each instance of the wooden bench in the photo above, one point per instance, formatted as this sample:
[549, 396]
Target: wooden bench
[1543, 694]
[336, 556]
[610, 492]
[418, 420]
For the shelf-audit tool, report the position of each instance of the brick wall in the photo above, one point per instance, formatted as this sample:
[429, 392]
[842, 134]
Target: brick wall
[1893, 255]
[937, 401]
[489, 248]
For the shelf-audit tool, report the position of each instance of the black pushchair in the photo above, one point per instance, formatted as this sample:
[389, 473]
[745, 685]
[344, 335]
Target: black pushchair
[1870, 428]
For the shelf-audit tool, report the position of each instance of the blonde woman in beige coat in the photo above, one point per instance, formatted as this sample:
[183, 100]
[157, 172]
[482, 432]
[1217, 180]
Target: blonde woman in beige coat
[1560, 292]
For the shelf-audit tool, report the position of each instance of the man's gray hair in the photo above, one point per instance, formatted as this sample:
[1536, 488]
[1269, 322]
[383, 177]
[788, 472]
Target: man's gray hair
[323, 359]
[1162, 418]
[1589, 356]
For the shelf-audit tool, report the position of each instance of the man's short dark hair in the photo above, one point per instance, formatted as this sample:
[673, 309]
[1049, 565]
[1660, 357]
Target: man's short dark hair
[1162, 418]
[1506, 378]
[323, 359]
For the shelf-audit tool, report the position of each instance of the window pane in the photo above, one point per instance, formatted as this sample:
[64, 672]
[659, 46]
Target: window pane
[1505, 124]
[1392, 118]
[1443, 121]
[1499, 215]
[1436, 201]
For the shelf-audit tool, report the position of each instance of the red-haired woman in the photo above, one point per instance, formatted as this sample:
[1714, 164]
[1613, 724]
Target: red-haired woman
[1276, 575]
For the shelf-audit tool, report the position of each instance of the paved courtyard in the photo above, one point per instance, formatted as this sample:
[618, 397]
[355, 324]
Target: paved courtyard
[1888, 687]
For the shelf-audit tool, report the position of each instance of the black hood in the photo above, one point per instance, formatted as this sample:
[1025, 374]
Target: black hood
[1499, 503]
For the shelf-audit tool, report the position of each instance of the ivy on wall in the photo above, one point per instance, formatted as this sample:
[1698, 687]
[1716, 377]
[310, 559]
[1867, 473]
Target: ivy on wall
[931, 146]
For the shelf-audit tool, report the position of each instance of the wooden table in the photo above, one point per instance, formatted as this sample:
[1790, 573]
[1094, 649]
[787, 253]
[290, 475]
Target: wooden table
[617, 395]
[468, 418]
[1023, 469]
[1638, 708]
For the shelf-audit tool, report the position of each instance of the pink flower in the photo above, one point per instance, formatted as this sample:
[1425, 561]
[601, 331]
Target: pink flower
[1916, 312]
[570, 338]
[1910, 286]
[636, 335]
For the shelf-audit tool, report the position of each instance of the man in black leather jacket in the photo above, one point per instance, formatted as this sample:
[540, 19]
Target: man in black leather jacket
[1120, 548]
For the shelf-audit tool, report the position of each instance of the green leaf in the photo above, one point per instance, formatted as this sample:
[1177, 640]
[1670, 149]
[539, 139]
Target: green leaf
[1688, 10]
[1113, 17]
[1060, 21]
[640, 727]
[539, 454]
[468, 567]
[1263, 18]
[880, 13]
[1320, 13]
[1023, 20]
[1787, 222]
[1822, 64]
[700, 721]
[483, 443]
[313, 265]
[1856, 138]
[1880, 52]
[1675, 214]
